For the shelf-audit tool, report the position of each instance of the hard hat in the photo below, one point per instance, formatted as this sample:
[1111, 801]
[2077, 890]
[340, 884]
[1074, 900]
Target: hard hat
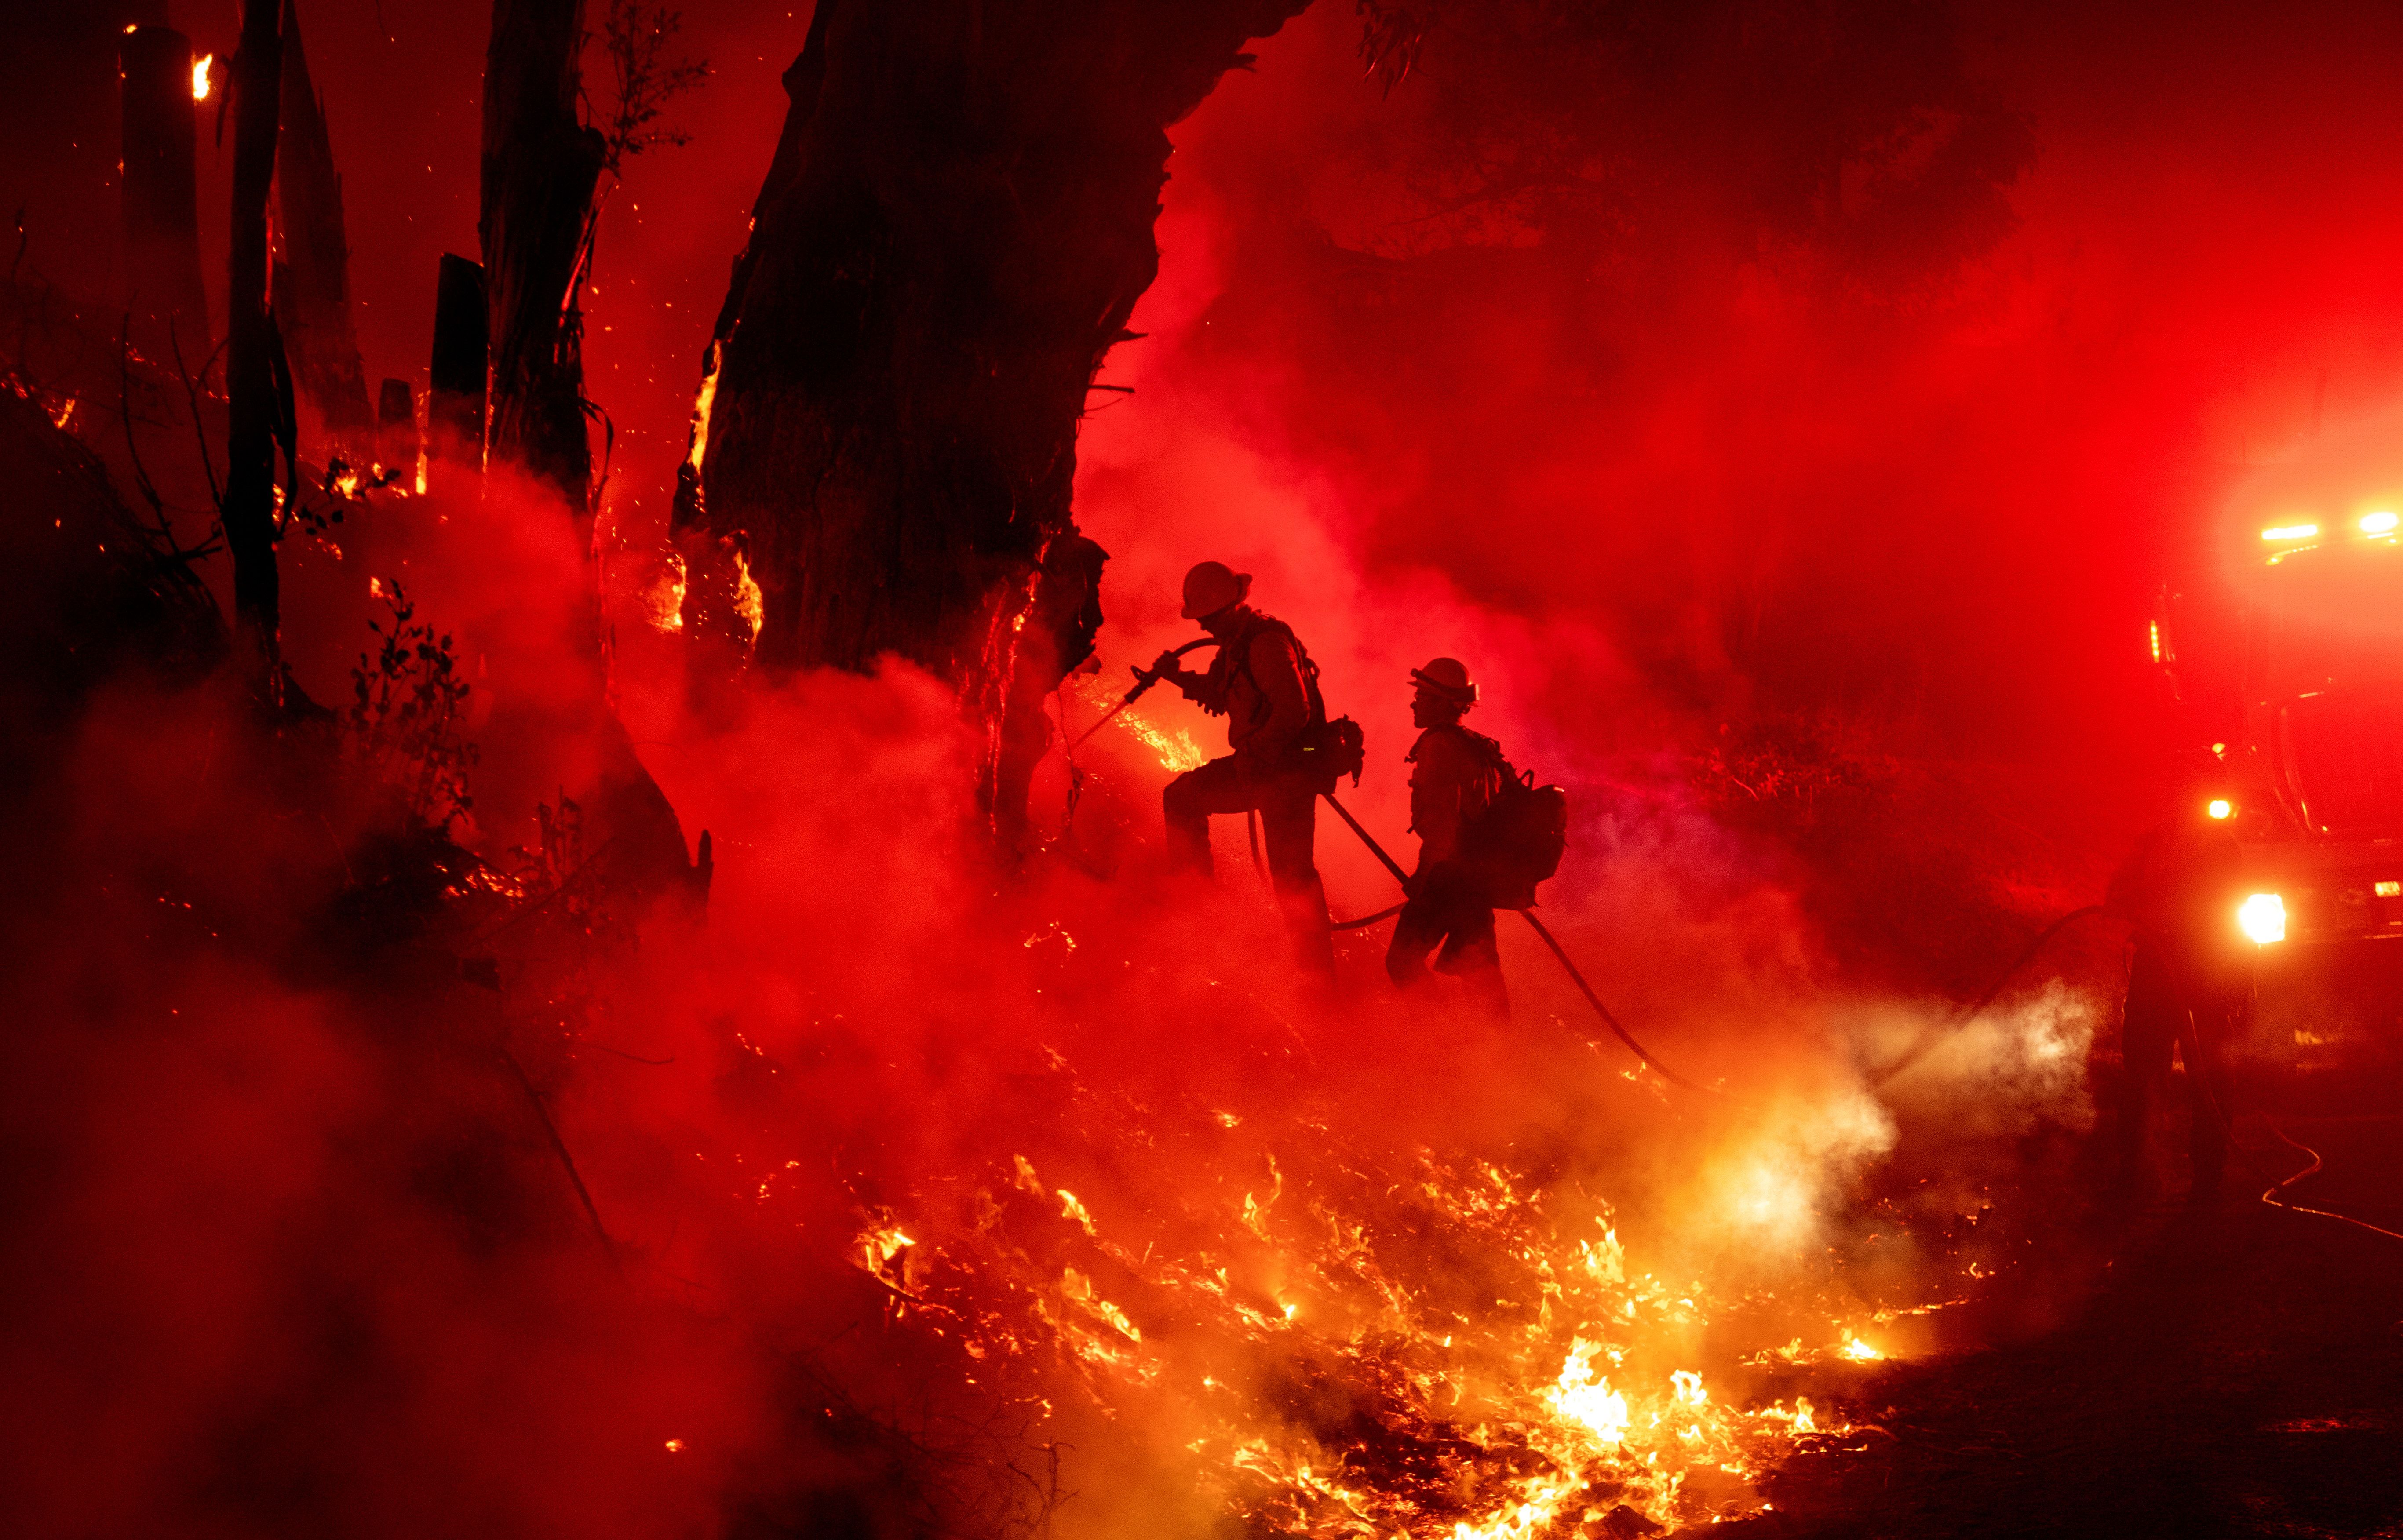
[1449, 677]
[1211, 586]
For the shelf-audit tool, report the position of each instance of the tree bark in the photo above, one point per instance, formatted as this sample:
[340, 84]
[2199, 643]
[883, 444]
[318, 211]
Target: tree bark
[254, 402]
[540, 166]
[456, 378]
[159, 194]
[956, 224]
[314, 307]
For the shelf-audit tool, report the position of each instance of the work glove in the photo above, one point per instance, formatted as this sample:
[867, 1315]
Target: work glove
[1167, 667]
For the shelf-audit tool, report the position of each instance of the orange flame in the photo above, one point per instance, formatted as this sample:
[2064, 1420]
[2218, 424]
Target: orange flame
[201, 77]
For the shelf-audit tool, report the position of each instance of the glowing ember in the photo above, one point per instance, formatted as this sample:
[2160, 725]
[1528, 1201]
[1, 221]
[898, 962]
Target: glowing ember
[749, 602]
[201, 77]
[676, 1446]
[664, 600]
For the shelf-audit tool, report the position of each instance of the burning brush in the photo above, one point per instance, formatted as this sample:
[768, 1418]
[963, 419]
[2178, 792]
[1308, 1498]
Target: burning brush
[1341, 1341]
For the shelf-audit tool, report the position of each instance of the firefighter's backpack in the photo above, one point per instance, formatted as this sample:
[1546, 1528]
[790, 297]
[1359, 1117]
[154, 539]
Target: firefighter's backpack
[1519, 840]
[1329, 750]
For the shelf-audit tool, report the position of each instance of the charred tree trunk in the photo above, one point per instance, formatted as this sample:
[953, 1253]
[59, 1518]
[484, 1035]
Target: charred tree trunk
[954, 229]
[454, 401]
[313, 308]
[253, 355]
[158, 193]
[540, 166]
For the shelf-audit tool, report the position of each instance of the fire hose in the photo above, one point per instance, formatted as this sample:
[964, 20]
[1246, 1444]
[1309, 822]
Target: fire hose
[1528, 915]
[2189, 1045]
[1143, 681]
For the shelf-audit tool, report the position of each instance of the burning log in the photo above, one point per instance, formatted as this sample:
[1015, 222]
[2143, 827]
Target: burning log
[314, 307]
[454, 401]
[256, 407]
[955, 226]
[158, 197]
[540, 167]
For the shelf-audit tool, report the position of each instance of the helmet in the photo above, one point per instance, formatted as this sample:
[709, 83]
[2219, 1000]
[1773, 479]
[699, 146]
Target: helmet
[1211, 586]
[1449, 678]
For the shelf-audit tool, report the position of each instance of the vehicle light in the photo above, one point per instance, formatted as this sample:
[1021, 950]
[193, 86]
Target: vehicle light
[2291, 532]
[2220, 806]
[2157, 641]
[2379, 523]
[2262, 917]
[2387, 890]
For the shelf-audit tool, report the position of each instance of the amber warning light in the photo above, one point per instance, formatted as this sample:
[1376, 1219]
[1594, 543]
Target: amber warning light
[2220, 806]
[2290, 532]
[2379, 523]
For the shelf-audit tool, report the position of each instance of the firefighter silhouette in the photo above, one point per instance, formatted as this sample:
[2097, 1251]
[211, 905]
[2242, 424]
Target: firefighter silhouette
[1456, 777]
[1264, 684]
[2189, 985]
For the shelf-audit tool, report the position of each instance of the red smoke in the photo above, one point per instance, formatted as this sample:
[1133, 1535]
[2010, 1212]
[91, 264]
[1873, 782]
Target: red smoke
[306, 1260]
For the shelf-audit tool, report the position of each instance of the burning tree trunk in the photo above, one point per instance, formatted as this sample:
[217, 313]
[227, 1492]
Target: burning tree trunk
[253, 353]
[954, 229]
[313, 308]
[161, 202]
[540, 166]
[454, 399]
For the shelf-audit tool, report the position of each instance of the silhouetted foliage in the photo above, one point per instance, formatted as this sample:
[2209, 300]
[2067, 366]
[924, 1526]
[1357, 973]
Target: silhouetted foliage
[407, 707]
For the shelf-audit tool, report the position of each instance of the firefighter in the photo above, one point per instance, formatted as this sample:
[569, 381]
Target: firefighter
[1455, 776]
[1263, 683]
[2189, 987]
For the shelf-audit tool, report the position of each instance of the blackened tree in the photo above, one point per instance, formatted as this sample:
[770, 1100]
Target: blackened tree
[952, 233]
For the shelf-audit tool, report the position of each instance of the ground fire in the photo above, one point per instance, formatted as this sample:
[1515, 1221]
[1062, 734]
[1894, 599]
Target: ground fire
[1479, 770]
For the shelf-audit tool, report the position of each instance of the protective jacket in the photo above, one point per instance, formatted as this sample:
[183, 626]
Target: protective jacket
[1454, 776]
[1260, 681]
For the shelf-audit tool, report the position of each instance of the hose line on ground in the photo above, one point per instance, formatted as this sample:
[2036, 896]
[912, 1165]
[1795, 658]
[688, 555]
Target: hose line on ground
[1592, 999]
[2189, 1044]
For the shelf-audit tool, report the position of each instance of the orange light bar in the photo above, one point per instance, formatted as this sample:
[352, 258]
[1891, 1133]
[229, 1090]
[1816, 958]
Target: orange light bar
[2291, 532]
[2387, 890]
[2379, 523]
[2157, 641]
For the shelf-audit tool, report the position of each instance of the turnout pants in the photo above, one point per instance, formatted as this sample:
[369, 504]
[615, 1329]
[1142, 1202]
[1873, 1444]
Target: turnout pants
[1287, 803]
[2168, 1010]
[1450, 914]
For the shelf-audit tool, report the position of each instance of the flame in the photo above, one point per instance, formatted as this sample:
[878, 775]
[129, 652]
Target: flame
[749, 602]
[700, 405]
[664, 600]
[1510, 1422]
[201, 77]
[676, 1446]
[1175, 747]
[63, 413]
